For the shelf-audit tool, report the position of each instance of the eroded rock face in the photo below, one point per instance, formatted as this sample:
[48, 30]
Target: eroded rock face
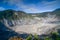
[34, 26]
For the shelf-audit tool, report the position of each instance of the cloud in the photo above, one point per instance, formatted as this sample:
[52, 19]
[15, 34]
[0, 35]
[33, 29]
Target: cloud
[39, 7]
[1, 8]
[32, 9]
[47, 3]
[12, 2]
[49, 6]
[29, 8]
[21, 6]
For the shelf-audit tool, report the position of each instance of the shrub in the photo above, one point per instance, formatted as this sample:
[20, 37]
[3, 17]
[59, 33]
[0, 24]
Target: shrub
[29, 37]
[36, 37]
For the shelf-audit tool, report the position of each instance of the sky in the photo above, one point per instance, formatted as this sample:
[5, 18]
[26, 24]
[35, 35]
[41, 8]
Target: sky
[30, 6]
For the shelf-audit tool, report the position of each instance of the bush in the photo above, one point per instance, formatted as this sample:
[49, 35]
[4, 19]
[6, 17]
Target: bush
[47, 38]
[29, 37]
[36, 37]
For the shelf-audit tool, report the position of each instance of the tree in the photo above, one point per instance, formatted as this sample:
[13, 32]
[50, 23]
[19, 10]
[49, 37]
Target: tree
[58, 38]
[54, 35]
[29, 37]
[36, 37]
[47, 38]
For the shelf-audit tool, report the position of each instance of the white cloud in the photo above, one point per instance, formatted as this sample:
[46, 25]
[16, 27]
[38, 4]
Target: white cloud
[1, 8]
[33, 7]
[20, 5]
[29, 8]
[49, 6]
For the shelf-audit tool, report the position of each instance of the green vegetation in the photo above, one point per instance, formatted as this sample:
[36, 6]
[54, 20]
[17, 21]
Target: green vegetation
[13, 15]
[47, 38]
[52, 36]
[29, 37]
[36, 37]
